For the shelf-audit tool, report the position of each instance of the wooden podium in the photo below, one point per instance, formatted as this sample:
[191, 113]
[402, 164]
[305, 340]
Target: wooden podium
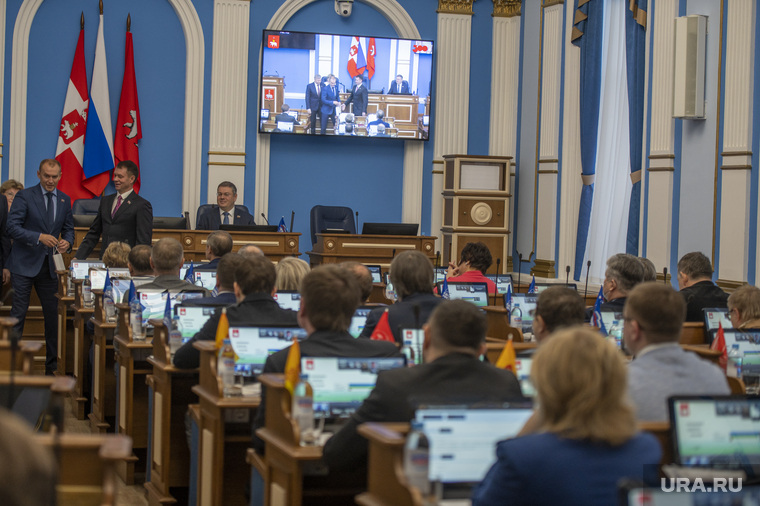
[367, 249]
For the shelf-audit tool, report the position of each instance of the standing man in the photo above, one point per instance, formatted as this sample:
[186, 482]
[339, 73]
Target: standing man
[330, 99]
[359, 96]
[313, 92]
[224, 212]
[39, 223]
[399, 87]
[124, 216]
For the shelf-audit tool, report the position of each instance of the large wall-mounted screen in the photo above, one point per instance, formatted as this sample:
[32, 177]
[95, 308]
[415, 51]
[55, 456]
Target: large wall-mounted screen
[343, 85]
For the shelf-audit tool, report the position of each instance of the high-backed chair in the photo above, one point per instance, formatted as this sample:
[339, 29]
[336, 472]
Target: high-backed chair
[86, 206]
[204, 208]
[338, 217]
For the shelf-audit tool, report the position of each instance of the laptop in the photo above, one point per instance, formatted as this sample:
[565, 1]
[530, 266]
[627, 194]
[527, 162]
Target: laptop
[749, 342]
[527, 303]
[477, 293]
[265, 114]
[713, 317]
[440, 274]
[81, 268]
[285, 126]
[98, 276]
[359, 320]
[154, 303]
[341, 384]
[206, 279]
[192, 319]
[540, 287]
[522, 366]
[253, 345]
[717, 432]
[503, 282]
[288, 299]
[377, 273]
[120, 286]
[463, 441]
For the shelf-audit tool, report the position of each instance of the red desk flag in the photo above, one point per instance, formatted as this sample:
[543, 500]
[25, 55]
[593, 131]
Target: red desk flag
[719, 344]
[128, 126]
[382, 330]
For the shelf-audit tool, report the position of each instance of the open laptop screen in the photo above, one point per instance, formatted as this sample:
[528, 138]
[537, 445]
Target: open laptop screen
[288, 299]
[719, 431]
[359, 320]
[81, 268]
[341, 384]
[527, 303]
[503, 282]
[377, 275]
[98, 276]
[523, 365]
[192, 319]
[749, 342]
[154, 302]
[477, 293]
[253, 345]
[206, 279]
[463, 439]
[440, 273]
[540, 287]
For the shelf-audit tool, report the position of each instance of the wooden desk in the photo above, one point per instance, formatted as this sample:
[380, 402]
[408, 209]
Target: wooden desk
[693, 333]
[82, 341]
[224, 427]
[275, 245]
[367, 249]
[494, 348]
[131, 394]
[65, 326]
[103, 401]
[60, 387]
[169, 394]
[498, 324]
[386, 483]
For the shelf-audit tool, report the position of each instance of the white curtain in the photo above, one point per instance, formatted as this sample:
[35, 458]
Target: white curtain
[612, 189]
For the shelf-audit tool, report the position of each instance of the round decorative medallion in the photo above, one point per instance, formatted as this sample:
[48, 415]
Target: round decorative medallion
[291, 244]
[428, 246]
[330, 244]
[481, 213]
[188, 240]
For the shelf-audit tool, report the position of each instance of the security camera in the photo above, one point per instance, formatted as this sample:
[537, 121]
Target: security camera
[343, 7]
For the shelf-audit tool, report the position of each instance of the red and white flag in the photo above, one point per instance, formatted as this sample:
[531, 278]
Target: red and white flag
[371, 58]
[356, 62]
[70, 149]
[128, 126]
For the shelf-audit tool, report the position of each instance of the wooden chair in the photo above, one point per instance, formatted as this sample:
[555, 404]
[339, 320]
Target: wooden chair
[22, 360]
[736, 385]
[693, 333]
[661, 430]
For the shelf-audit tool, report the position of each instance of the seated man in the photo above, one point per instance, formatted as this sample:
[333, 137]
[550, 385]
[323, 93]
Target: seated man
[254, 287]
[412, 277]
[381, 131]
[623, 273]
[452, 373]
[363, 277]
[284, 116]
[695, 282]
[218, 244]
[224, 212]
[473, 264]
[250, 250]
[329, 297]
[379, 121]
[138, 263]
[654, 314]
[166, 259]
[744, 307]
[225, 283]
[557, 307]
[399, 87]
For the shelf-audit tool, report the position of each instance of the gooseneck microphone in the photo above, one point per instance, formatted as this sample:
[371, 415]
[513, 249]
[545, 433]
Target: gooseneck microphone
[292, 217]
[519, 269]
[265, 218]
[588, 268]
[665, 275]
[567, 275]
[358, 230]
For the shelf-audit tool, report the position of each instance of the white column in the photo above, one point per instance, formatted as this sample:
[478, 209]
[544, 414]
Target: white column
[661, 158]
[505, 63]
[451, 101]
[229, 92]
[736, 161]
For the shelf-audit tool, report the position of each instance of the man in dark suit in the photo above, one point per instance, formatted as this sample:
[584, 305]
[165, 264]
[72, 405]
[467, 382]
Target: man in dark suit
[329, 296]
[695, 282]
[313, 92]
[124, 216]
[218, 244]
[39, 223]
[224, 212]
[284, 117]
[254, 286]
[330, 99]
[359, 97]
[623, 272]
[452, 373]
[399, 87]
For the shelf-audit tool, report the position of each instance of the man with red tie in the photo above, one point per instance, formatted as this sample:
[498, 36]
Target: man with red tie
[124, 216]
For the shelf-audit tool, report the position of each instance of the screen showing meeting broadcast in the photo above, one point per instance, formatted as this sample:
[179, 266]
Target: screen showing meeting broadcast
[718, 432]
[81, 268]
[253, 345]
[98, 276]
[503, 282]
[749, 342]
[395, 77]
[341, 384]
[527, 303]
[463, 440]
[154, 303]
[192, 319]
[288, 300]
[714, 318]
[359, 320]
[522, 371]
[206, 279]
[477, 293]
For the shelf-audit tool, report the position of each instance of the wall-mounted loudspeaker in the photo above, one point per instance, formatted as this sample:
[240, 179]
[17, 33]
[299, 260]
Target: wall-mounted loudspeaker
[689, 67]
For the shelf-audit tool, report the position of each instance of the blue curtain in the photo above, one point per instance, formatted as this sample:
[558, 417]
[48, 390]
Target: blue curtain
[635, 44]
[587, 35]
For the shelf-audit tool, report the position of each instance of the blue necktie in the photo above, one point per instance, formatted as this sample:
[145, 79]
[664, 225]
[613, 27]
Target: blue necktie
[50, 208]
[226, 219]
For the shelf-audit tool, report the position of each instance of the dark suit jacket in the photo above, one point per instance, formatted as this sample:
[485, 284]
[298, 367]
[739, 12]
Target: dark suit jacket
[401, 314]
[312, 97]
[702, 295]
[322, 343]
[5, 240]
[27, 220]
[255, 309]
[208, 266]
[132, 224]
[210, 220]
[610, 305]
[453, 378]
[285, 117]
[394, 89]
[327, 98]
[223, 299]
[360, 99]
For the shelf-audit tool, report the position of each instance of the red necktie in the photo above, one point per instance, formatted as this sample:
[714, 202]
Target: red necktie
[118, 205]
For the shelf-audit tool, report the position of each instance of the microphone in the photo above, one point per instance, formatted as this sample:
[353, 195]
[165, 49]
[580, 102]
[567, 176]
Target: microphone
[437, 259]
[265, 218]
[393, 254]
[519, 268]
[357, 223]
[665, 275]
[567, 275]
[292, 217]
[585, 290]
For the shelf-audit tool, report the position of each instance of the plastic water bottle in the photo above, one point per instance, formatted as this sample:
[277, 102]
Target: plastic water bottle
[70, 282]
[616, 332]
[417, 459]
[136, 320]
[735, 359]
[175, 336]
[515, 317]
[87, 292]
[303, 410]
[109, 306]
[226, 370]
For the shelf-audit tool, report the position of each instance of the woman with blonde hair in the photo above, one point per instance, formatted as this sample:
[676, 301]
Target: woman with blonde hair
[10, 188]
[586, 438]
[744, 307]
[116, 255]
[290, 271]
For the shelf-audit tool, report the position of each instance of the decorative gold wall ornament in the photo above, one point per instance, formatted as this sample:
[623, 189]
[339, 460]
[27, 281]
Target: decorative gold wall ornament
[506, 8]
[455, 6]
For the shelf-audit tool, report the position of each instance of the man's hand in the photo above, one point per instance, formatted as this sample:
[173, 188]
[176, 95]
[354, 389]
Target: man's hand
[452, 271]
[6, 276]
[308, 111]
[63, 246]
[342, 107]
[48, 240]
